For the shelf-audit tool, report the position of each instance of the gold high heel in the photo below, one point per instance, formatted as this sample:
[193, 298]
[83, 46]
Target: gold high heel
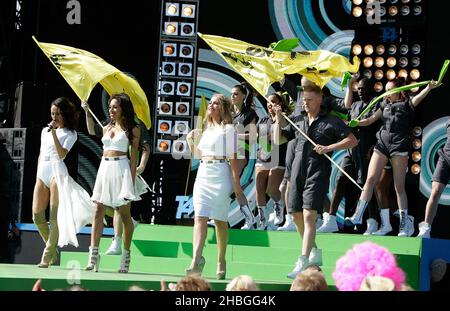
[197, 268]
[221, 274]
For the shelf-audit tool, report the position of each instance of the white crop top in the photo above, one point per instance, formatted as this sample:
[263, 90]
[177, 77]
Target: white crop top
[67, 139]
[118, 143]
[218, 141]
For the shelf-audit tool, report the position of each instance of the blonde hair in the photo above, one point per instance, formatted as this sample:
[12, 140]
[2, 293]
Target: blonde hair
[242, 283]
[193, 283]
[225, 110]
[309, 280]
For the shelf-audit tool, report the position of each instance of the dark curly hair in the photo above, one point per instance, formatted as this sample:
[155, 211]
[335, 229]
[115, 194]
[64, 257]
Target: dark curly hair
[68, 112]
[127, 113]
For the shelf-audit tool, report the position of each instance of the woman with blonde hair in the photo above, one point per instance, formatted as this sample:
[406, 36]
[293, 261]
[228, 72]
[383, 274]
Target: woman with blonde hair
[217, 177]
[242, 283]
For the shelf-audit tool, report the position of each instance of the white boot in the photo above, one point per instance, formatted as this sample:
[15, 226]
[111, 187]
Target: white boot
[116, 247]
[300, 265]
[406, 224]
[262, 223]
[372, 226]
[278, 209]
[288, 224]
[249, 218]
[357, 217]
[385, 227]
[329, 224]
[424, 230]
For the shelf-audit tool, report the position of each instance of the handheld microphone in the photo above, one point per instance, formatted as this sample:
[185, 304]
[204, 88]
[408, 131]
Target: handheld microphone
[50, 126]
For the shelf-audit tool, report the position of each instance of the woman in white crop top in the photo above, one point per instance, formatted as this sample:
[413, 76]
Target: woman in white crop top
[216, 180]
[116, 184]
[70, 205]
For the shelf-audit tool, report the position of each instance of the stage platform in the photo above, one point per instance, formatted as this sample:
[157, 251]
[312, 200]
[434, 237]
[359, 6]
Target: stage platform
[163, 252]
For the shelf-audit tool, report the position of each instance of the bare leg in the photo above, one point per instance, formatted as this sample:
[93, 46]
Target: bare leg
[309, 235]
[273, 184]
[241, 163]
[222, 242]
[200, 230]
[431, 209]
[41, 197]
[128, 226]
[117, 224]
[97, 225]
[261, 185]
[382, 189]
[376, 165]
[399, 165]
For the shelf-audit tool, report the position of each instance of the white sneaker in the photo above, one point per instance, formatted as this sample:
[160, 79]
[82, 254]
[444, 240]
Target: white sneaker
[384, 229]
[288, 225]
[315, 257]
[115, 248]
[424, 230]
[372, 226]
[250, 220]
[329, 224]
[300, 265]
[279, 213]
[406, 226]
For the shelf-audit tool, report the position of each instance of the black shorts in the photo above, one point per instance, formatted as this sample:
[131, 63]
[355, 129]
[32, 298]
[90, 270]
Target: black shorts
[442, 172]
[306, 193]
[392, 149]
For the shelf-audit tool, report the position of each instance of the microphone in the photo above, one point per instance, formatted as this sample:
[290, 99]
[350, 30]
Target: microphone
[50, 126]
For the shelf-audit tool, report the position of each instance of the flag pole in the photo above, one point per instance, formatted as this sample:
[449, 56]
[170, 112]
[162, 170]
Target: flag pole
[326, 155]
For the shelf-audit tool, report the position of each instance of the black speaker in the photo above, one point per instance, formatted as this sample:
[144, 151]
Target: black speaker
[31, 105]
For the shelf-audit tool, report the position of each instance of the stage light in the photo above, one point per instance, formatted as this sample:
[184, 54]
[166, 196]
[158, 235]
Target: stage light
[164, 126]
[165, 107]
[415, 169]
[391, 62]
[367, 74]
[184, 88]
[164, 145]
[415, 61]
[379, 62]
[187, 29]
[405, 10]
[357, 2]
[404, 49]
[181, 127]
[186, 50]
[169, 49]
[417, 1]
[368, 62]
[414, 74]
[356, 50]
[182, 108]
[171, 28]
[390, 74]
[378, 87]
[403, 73]
[393, 10]
[185, 69]
[368, 49]
[379, 74]
[172, 9]
[417, 143]
[417, 131]
[380, 49]
[405, 1]
[188, 10]
[168, 68]
[403, 62]
[394, 1]
[179, 146]
[415, 49]
[392, 49]
[382, 11]
[167, 87]
[357, 11]
[416, 156]
[417, 10]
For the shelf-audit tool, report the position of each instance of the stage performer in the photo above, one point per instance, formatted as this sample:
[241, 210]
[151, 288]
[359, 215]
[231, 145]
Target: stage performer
[217, 177]
[441, 178]
[311, 171]
[244, 120]
[70, 205]
[116, 184]
[393, 143]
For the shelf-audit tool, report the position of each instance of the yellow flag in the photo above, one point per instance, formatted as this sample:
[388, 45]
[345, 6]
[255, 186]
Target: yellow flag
[83, 70]
[261, 66]
[202, 113]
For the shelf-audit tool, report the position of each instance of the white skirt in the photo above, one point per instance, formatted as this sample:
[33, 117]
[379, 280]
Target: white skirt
[114, 186]
[75, 209]
[212, 189]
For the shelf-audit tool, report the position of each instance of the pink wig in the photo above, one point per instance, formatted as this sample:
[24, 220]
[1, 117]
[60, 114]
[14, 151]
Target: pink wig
[363, 260]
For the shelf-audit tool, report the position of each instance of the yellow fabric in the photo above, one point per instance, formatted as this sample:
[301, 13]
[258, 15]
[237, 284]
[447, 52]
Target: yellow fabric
[202, 112]
[261, 66]
[83, 70]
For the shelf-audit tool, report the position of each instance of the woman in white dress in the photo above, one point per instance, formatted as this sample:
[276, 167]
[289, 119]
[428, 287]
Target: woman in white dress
[116, 184]
[70, 205]
[217, 178]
